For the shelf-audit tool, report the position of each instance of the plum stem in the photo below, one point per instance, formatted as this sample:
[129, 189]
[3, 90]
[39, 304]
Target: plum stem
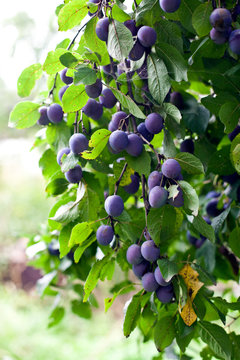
[158, 156]
[120, 178]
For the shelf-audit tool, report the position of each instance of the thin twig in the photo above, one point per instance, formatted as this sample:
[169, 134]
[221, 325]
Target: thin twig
[145, 200]
[120, 178]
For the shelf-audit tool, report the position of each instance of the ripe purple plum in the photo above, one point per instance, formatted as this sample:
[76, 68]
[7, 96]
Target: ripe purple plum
[159, 278]
[144, 132]
[141, 269]
[93, 109]
[43, 120]
[107, 99]
[171, 169]
[219, 37]
[231, 179]
[154, 123]
[131, 25]
[133, 187]
[177, 99]
[65, 78]
[102, 29]
[158, 197]
[149, 282]
[150, 251]
[104, 234]
[147, 36]
[94, 90]
[234, 133]
[178, 201]
[165, 293]
[156, 178]
[117, 120]
[212, 194]
[62, 91]
[78, 143]
[74, 175]
[118, 140]
[134, 256]
[142, 71]
[212, 209]
[169, 6]
[137, 51]
[114, 205]
[238, 194]
[234, 41]
[220, 19]
[135, 145]
[60, 154]
[55, 113]
[187, 146]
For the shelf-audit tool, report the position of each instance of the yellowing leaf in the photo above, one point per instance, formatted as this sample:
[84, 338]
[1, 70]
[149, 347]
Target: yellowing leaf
[193, 284]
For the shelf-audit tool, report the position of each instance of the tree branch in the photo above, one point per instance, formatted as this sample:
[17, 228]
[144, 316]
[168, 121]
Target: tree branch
[120, 178]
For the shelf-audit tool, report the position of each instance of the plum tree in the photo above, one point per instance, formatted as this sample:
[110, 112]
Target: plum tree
[102, 29]
[158, 196]
[165, 293]
[133, 187]
[65, 78]
[150, 251]
[95, 89]
[104, 235]
[114, 205]
[149, 282]
[74, 175]
[159, 278]
[55, 113]
[171, 169]
[60, 154]
[154, 123]
[147, 36]
[169, 6]
[107, 99]
[221, 19]
[93, 109]
[156, 178]
[43, 120]
[118, 140]
[78, 143]
[135, 145]
[134, 256]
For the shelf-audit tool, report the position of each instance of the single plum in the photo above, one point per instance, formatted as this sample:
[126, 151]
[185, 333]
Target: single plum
[169, 5]
[150, 251]
[55, 113]
[219, 37]
[149, 282]
[156, 178]
[165, 293]
[131, 25]
[94, 90]
[117, 120]
[147, 36]
[171, 169]
[141, 269]
[60, 154]
[134, 256]
[102, 29]
[212, 209]
[159, 278]
[118, 140]
[65, 78]
[107, 99]
[104, 234]
[137, 51]
[133, 187]
[177, 99]
[114, 205]
[154, 123]
[62, 91]
[135, 145]
[187, 146]
[74, 175]
[144, 132]
[78, 143]
[43, 120]
[220, 19]
[158, 197]
[93, 109]
[178, 201]
[231, 179]
[234, 41]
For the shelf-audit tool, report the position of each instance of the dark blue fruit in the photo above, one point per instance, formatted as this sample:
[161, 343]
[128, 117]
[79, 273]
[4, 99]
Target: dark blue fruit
[78, 143]
[165, 293]
[137, 51]
[159, 278]
[55, 113]
[133, 187]
[187, 146]
[94, 90]
[104, 234]
[62, 91]
[221, 19]
[131, 25]
[212, 194]
[107, 99]
[178, 201]
[212, 209]
[102, 29]
[158, 197]
[219, 37]
[234, 133]
[43, 120]
[117, 120]
[147, 36]
[144, 132]
[74, 175]
[149, 283]
[66, 79]
[114, 205]
[156, 178]
[154, 123]
[234, 41]
[118, 140]
[134, 256]
[61, 153]
[171, 169]
[169, 5]
[150, 251]
[141, 269]
[93, 109]
[177, 100]
[135, 145]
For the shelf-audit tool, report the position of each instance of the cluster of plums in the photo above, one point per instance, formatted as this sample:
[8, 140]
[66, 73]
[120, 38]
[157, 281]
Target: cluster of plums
[221, 21]
[143, 260]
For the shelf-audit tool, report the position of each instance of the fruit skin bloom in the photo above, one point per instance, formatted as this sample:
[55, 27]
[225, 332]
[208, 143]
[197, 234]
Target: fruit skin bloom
[147, 36]
[114, 205]
[104, 234]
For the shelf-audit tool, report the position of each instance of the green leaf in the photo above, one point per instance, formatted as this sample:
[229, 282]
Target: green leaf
[190, 163]
[191, 201]
[203, 227]
[234, 241]
[69, 161]
[120, 41]
[64, 240]
[93, 276]
[148, 12]
[132, 315]
[69, 59]
[175, 63]
[235, 153]
[208, 252]
[98, 141]
[168, 268]
[229, 114]
[81, 248]
[81, 309]
[56, 316]
[45, 281]
[185, 13]
[48, 164]
[128, 103]
[57, 186]
[72, 14]
[169, 32]
[216, 338]
[200, 19]
[119, 14]
[84, 75]
[117, 170]
[218, 221]
[66, 213]
[196, 118]
[164, 223]
[158, 79]
[164, 332]
[235, 341]
[141, 164]
[220, 163]
[24, 115]
[169, 148]
[172, 111]
[94, 43]
[27, 79]
[52, 63]
[74, 98]
[80, 233]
